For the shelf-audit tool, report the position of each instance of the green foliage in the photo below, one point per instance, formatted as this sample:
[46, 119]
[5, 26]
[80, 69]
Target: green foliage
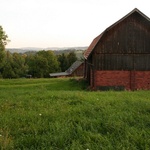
[2, 59]
[66, 60]
[71, 58]
[3, 42]
[14, 66]
[38, 65]
[63, 62]
[8, 68]
[57, 114]
[42, 63]
[53, 65]
[3, 39]
[11, 65]
[19, 65]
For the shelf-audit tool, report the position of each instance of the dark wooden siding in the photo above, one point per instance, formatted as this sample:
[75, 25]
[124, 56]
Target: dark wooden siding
[124, 47]
[79, 71]
[122, 62]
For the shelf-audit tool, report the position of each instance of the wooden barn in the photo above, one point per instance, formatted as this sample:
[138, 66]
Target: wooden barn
[119, 58]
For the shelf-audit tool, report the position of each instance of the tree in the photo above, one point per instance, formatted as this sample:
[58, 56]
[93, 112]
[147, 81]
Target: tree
[19, 65]
[71, 58]
[7, 68]
[14, 66]
[3, 39]
[3, 43]
[66, 60]
[53, 64]
[63, 61]
[42, 63]
[30, 61]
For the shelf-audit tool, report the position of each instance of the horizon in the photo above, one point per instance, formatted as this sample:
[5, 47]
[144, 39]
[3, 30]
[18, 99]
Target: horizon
[68, 47]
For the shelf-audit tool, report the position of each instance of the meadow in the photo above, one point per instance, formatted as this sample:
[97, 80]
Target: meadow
[60, 114]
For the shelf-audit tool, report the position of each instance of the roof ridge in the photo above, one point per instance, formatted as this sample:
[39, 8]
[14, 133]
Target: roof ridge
[127, 15]
[74, 66]
[96, 40]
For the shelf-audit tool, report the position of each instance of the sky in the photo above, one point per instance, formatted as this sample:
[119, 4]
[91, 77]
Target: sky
[61, 23]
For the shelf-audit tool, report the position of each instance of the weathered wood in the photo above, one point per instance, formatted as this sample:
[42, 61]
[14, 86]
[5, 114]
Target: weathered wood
[125, 47]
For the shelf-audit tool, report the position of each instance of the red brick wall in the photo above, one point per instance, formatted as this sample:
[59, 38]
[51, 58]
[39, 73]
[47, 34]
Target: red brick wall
[142, 79]
[131, 80]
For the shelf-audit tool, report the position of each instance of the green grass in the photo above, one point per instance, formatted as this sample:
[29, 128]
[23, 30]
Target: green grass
[58, 114]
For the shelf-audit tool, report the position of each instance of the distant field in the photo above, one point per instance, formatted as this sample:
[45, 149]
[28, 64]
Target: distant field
[58, 114]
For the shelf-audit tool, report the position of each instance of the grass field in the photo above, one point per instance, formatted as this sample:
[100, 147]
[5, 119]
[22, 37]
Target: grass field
[58, 114]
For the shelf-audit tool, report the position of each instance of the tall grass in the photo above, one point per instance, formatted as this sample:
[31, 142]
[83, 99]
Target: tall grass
[58, 114]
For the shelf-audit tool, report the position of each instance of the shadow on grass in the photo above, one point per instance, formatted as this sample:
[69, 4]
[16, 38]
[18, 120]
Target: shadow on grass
[67, 84]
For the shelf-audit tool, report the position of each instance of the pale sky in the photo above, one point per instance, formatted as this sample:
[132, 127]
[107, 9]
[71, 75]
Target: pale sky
[62, 23]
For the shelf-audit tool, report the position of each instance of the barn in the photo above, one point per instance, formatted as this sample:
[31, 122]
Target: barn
[75, 70]
[119, 58]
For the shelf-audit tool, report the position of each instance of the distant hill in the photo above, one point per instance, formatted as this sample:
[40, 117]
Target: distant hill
[26, 49]
[57, 50]
[67, 48]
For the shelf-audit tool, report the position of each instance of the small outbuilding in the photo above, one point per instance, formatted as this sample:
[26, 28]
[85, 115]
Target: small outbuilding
[119, 58]
[76, 69]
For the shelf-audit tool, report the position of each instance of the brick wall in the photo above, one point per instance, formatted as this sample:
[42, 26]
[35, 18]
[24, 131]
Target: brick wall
[142, 79]
[130, 80]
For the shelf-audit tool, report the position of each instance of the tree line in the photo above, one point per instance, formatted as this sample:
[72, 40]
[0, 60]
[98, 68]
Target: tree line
[38, 65]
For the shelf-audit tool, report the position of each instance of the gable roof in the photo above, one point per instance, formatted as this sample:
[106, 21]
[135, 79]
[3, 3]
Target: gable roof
[74, 66]
[97, 39]
[92, 46]
[69, 71]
